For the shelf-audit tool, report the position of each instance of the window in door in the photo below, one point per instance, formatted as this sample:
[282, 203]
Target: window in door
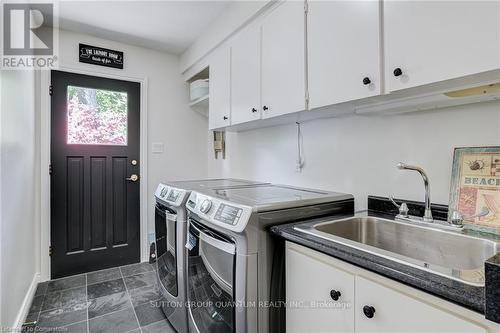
[96, 116]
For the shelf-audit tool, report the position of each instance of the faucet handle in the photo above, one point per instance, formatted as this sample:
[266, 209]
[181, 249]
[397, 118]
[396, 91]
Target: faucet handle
[457, 218]
[403, 208]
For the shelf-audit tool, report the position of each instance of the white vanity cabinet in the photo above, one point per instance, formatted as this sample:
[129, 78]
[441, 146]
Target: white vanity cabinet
[315, 293]
[343, 45]
[368, 301]
[396, 312]
[431, 41]
[219, 102]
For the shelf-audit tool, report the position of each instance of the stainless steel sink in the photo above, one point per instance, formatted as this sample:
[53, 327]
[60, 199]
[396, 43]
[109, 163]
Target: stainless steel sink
[451, 254]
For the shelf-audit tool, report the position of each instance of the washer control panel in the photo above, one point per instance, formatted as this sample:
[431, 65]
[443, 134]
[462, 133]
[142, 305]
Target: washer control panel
[228, 214]
[219, 212]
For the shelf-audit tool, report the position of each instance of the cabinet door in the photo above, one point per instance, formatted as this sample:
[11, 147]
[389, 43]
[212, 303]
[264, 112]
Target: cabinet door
[283, 65]
[245, 76]
[432, 41]
[397, 312]
[219, 112]
[310, 307]
[343, 51]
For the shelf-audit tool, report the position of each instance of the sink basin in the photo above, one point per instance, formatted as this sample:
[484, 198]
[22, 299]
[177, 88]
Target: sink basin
[451, 254]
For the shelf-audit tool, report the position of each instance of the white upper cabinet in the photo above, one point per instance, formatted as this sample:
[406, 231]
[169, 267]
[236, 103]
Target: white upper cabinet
[343, 51]
[283, 65]
[245, 76]
[355, 50]
[384, 310]
[220, 89]
[430, 41]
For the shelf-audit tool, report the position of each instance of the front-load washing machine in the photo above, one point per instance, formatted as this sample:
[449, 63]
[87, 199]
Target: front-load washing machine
[170, 234]
[230, 250]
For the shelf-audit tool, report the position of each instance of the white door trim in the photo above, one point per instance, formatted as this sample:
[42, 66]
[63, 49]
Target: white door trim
[45, 161]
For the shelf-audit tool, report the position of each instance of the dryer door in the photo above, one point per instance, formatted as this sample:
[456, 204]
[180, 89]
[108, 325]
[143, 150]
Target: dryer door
[166, 229]
[210, 279]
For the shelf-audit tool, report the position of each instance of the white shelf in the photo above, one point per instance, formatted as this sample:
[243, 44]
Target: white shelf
[200, 105]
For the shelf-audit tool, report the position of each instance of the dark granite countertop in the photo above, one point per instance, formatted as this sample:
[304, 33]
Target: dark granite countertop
[472, 297]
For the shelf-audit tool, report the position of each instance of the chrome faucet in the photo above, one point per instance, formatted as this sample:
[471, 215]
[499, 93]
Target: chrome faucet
[456, 220]
[428, 213]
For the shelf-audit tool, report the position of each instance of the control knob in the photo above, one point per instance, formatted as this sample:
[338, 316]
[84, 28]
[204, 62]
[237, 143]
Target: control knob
[205, 206]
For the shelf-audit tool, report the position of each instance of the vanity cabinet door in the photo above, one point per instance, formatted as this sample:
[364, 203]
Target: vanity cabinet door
[319, 296]
[382, 309]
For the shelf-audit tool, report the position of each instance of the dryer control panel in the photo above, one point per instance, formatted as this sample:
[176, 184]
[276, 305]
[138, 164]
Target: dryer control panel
[170, 195]
[219, 212]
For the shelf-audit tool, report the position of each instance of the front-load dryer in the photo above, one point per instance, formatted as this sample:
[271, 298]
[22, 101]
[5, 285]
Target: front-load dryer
[170, 236]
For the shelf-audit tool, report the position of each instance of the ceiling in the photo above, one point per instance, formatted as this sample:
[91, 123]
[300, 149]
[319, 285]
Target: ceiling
[169, 26]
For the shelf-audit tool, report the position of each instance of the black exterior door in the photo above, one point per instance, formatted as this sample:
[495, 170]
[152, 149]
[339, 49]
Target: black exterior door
[95, 134]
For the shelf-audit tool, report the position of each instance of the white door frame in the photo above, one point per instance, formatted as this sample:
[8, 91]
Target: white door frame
[44, 127]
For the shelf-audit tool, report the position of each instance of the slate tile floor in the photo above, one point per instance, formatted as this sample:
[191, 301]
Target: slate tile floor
[121, 299]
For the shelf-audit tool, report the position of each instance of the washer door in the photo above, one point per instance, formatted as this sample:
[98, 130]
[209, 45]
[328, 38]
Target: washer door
[210, 279]
[166, 229]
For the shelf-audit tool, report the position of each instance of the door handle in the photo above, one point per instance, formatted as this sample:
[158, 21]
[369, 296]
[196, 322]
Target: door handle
[133, 178]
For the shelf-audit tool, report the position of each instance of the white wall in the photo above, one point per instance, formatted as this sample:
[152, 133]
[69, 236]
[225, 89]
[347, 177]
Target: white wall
[18, 223]
[170, 120]
[358, 154]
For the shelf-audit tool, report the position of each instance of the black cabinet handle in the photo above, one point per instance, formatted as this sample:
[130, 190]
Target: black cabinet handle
[254, 110]
[367, 81]
[265, 108]
[334, 294]
[225, 118]
[398, 72]
[369, 311]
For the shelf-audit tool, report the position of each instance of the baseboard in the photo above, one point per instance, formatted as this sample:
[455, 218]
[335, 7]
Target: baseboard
[25, 306]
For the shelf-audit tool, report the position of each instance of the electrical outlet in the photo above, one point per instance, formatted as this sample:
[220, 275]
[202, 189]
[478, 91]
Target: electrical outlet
[298, 167]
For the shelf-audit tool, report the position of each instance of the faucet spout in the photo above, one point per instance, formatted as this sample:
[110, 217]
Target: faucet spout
[428, 213]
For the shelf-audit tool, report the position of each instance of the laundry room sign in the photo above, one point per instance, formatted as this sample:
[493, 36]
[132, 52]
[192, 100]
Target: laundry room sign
[101, 56]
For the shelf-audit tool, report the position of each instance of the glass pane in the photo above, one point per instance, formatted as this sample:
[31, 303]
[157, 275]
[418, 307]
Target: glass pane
[96, 116]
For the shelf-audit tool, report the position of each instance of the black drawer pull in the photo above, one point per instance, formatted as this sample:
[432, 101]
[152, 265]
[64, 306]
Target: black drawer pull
[369, 311]
[335, 295]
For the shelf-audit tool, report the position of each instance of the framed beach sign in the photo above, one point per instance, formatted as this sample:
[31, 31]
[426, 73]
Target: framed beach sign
[475, 184]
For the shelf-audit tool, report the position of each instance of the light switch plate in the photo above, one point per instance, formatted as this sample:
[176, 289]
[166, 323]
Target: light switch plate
[157, 147]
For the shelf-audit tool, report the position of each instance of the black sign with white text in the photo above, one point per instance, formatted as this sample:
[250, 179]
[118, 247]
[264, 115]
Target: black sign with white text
[101, 56]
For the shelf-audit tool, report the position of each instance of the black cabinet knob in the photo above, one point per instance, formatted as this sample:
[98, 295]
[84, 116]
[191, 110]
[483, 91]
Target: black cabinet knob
[369, 311]
[398, 72]
[254, 110]
[367, 81]
[265, 108]
[334, 294]
[225, 118]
